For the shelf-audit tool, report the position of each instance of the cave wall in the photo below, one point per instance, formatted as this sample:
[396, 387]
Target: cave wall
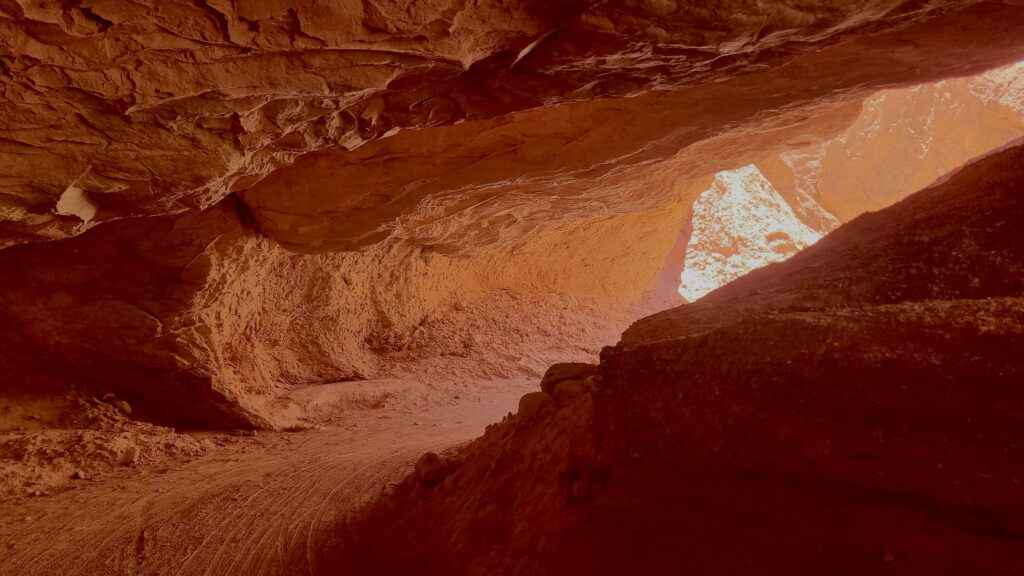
[111, 311]
[906, 139]
[202, 320]
[572, 160]
[209, 203]
[283, 319]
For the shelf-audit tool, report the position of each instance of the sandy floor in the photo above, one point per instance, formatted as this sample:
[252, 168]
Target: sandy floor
[72, 503]
[252, 505]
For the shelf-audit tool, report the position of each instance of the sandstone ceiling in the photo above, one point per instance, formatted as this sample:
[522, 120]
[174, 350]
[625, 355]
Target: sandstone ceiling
[340, 122]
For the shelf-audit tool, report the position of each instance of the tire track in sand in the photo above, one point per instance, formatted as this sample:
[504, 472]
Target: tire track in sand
[263, 511]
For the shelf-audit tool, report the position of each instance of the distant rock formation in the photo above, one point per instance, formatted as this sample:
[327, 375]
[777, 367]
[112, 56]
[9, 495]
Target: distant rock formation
[902, 141]
[740, 223]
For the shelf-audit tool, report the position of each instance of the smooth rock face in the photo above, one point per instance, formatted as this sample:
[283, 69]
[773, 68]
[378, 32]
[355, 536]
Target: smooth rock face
[905, 139]
[854, 407]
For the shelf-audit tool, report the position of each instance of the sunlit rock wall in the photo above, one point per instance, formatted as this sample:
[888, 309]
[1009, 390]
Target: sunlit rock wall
[902, 141]
[740, 223]
[906, 139]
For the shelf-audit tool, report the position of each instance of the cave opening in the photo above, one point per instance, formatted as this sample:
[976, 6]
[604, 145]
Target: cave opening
[492, 287]
[902, 140]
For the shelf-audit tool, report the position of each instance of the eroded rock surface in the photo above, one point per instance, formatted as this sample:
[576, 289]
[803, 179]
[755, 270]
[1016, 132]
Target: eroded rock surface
[201, 320]
[143, 108]
[855, 408]
[216, 214]
[114, 310]
[208, 203]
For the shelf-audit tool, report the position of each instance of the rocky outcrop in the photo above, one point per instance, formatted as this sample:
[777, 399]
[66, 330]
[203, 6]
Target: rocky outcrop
[855, 408]
[565, 371]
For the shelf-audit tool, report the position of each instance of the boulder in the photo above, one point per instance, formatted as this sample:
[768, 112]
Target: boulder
[566, 371]
[534, 405]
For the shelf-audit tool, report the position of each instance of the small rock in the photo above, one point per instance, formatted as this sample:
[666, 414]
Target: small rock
[109, 398]
[123, 406]
[430, 469]
[534, 405]
[129, 456]
[78, 475]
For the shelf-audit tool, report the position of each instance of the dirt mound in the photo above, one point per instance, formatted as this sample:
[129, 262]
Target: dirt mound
[854, 410]
[94, 437]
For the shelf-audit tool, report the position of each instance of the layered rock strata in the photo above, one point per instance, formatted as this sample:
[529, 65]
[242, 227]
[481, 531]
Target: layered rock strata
[121, 109]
